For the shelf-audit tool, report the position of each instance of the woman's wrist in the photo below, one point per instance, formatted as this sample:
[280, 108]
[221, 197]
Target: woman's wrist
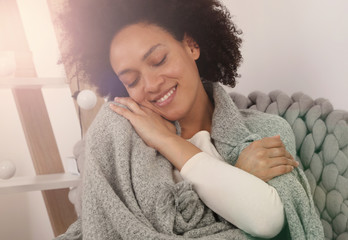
[177, 150]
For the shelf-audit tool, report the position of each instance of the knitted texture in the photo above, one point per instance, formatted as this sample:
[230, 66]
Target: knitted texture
[129, 191]
[75, 193]
[321, 135]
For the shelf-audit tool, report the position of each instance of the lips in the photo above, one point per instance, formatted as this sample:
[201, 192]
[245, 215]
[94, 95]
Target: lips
[166, 98]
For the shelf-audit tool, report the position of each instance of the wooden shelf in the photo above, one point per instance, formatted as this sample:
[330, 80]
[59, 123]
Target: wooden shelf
[39, 183]
[34, 82]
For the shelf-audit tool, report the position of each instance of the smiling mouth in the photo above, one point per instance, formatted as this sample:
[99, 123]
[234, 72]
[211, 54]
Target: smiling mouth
[165, 97]
[164, 100]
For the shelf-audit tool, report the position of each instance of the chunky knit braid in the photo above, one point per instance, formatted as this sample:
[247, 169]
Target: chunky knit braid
[321, 135]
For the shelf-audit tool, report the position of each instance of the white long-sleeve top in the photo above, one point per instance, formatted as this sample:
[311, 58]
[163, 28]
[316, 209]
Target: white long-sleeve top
[239, 197]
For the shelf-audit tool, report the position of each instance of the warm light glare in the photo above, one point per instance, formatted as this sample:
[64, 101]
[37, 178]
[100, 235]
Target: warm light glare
[41, 37]
[7, 64]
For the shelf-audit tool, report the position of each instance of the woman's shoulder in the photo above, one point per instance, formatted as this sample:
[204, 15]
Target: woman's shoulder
[107, 122]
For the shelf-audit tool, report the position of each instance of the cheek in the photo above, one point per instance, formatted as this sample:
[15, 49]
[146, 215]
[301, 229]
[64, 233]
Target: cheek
[184, 66]
[178, 68]
[175, 68]
[137, 96]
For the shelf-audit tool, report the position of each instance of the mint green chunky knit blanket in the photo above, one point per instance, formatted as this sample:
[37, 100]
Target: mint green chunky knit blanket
[129, 191]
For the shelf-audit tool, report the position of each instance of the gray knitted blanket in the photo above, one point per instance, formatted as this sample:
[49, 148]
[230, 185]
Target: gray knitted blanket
[129, 191]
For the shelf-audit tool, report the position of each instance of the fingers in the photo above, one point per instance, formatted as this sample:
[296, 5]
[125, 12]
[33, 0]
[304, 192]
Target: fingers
[277, 171]
[129, 103]
[275, 162]
[130, 110]
[148, 111]
[126, 113]
[266, 158]
[279, 152]
[288, 155]
[271, 142]
[275, 146]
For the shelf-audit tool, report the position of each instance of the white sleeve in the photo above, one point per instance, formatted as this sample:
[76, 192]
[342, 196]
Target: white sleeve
[239, 197]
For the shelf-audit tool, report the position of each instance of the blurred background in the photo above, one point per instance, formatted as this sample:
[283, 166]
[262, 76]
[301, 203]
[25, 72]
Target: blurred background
[288, 45]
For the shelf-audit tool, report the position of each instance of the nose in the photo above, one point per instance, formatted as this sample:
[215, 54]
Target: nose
[153, 82]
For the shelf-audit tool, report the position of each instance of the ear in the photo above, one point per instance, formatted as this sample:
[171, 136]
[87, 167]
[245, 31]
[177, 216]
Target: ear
[192, 46]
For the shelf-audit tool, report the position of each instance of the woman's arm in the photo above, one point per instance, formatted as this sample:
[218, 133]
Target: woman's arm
[159, 133]
[239, 197]
[259, 197]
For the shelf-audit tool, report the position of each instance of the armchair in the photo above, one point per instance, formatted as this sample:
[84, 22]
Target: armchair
[321, 135]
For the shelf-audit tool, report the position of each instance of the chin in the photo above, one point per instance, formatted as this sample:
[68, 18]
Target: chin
[169, 118]
[172, 116]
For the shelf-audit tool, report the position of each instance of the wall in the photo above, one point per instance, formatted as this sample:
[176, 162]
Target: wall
[294, 46]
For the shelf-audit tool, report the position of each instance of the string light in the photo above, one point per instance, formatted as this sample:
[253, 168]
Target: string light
[7, 169]
[86, 99]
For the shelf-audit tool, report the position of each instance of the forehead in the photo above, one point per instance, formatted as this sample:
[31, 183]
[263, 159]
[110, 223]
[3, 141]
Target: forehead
[137, 39]
[134, 30]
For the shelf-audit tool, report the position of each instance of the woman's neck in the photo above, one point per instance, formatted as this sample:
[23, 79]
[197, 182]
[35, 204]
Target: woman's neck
[199, 118]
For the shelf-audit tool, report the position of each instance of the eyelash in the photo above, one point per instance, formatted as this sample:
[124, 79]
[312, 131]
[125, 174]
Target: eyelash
[133, 83]
[155, 65]
[161, 62]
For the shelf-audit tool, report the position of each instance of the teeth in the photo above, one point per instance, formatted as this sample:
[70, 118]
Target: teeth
[165, 97]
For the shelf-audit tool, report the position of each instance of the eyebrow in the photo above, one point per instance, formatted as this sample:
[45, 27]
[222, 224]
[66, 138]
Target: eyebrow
[146, 55]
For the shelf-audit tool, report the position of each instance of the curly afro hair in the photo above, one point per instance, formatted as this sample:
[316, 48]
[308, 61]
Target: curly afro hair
[90, 25]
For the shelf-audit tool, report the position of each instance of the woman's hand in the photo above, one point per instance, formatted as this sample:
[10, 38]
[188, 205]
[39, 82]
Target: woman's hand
[150, 126]
[156, 132]
[266, 159]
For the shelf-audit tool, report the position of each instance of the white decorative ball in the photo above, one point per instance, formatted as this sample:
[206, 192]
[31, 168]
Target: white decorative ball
[86, 99]
[7, 169]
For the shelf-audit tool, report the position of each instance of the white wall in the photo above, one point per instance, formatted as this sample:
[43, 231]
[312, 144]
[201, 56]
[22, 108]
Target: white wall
[297, 45]
[41, 37]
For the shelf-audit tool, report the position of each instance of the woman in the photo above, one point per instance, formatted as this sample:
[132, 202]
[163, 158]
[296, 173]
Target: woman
[160, 158]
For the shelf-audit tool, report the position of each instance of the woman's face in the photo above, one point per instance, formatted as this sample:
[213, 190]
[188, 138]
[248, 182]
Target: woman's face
[158, 71]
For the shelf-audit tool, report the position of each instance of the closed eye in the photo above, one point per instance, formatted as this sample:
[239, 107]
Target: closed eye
[134, 82]
[161, 62]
